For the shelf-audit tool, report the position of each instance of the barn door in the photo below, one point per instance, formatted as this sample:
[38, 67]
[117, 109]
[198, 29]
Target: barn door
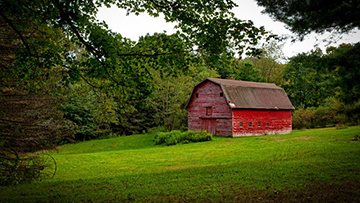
[208, 125]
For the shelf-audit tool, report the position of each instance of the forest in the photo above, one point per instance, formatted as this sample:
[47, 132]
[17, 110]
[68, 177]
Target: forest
[66, 77]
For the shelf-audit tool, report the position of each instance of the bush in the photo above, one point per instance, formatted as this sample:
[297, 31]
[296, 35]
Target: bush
[324, 116]
[176, 136]
[160, 137]
[91, 112]
[312, 117]
[302, 119]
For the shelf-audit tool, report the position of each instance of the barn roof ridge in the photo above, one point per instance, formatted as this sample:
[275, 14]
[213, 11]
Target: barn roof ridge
[242, 83]
[250, 95]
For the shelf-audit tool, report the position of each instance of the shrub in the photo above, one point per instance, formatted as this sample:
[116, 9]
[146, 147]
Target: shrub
[324, 116]
[321, 116]
[160, 137]
[188, 135]
[176, 136]
[302, 119]
[91, 112]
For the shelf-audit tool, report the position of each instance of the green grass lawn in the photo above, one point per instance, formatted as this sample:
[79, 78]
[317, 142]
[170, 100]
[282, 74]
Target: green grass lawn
[321, 165]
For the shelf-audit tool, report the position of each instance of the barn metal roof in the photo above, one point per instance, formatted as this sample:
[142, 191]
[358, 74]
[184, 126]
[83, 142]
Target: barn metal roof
[251, 95]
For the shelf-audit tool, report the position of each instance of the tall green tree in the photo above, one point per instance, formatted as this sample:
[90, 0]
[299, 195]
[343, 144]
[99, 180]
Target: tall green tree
[344, 63]
[171, 93]
[329, 81]
[91, 110]
[269, 62]
[245, 70]
[44, 30]
[307, 81]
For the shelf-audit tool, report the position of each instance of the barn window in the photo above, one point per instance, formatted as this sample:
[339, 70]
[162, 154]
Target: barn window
[259, 124]
[221, 94]
[197, 95]
[241, 124]
[267, 125]
[208, 111]
[250, 124]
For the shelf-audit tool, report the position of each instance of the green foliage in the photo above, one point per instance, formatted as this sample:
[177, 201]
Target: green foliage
[348, 113]
[303, 17]
[92, 113]
[81, 111]
[172, 80]
[311, 117]
[168, 99]
[344, 64]
[324, 116]
[302, 119]
[44, 39]
[307, 81]
[269, 62]
[176, 136]
[245, 70]
[13, 174]
[314, 78]
[232, 68]
[53, 35]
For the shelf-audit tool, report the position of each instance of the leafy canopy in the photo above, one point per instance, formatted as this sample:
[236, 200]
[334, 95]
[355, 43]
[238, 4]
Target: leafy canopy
[43, 34]
[304, 17]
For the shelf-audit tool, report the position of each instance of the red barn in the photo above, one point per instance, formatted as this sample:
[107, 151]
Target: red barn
[239, 108]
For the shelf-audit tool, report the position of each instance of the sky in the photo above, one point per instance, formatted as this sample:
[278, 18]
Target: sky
[133, 27]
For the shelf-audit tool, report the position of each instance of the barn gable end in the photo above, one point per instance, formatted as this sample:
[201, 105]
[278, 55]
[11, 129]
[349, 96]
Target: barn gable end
[208, 110]
[239, 108]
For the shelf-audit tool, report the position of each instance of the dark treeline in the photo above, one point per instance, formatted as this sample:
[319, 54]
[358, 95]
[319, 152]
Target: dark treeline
[323, 87]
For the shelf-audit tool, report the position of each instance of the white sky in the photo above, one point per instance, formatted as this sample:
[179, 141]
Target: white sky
[133, 26]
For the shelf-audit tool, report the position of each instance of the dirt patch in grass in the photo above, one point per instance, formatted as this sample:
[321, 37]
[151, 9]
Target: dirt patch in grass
[274, 139]
[282, 139]
[304, 138]
[183, 166]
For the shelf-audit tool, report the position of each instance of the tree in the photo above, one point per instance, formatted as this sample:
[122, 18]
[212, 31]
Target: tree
[344, 64]
[43, 35]
[171, 93]
[245, 70]
[43, 31]
[307, 81]
[269, 63]
[91, 110]
[326, 80]
[304, 17]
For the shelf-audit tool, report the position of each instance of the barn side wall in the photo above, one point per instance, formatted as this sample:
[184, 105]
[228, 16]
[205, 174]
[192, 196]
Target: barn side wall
[271, 122]
[208, 107]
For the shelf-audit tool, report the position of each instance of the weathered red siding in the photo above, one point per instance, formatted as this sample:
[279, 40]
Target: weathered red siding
[209, 111]
[279, 122]
[227, 107]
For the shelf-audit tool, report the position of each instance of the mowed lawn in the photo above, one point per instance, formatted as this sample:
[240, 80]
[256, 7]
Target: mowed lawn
[321, 165]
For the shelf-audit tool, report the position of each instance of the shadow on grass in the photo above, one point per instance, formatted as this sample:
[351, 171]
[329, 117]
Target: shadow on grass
[220, 183]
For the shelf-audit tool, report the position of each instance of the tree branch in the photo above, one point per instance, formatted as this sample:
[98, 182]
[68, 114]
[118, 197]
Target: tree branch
[9, 22]
[89, 83]
[82, 40]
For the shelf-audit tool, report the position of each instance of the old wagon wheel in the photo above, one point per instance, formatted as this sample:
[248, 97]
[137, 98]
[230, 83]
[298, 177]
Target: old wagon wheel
[46, 165]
